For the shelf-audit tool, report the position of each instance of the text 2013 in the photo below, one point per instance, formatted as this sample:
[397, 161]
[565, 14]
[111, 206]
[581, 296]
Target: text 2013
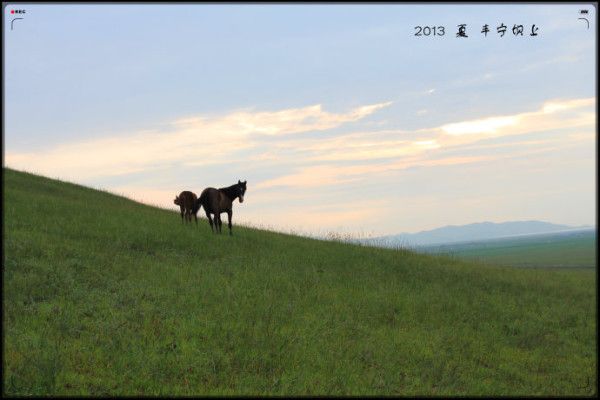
[429, 31]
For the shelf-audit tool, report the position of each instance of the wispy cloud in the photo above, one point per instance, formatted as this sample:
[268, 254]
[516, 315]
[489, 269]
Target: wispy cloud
[482, 126]
[190, 141]
[331, 174]
[391, 151]
[282, 122]
[553, 115]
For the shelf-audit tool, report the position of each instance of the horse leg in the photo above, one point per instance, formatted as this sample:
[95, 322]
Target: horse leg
[229, 220]
[210, 221]
[181, 209]
[196, 219]
[220, 222]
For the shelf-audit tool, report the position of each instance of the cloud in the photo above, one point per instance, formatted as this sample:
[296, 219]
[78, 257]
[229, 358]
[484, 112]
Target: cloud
[313, 176]
[283, 122]
[365, 145]
[488, 125]
[388, 144]
[551, 116]
[190, 141]
[396, 150]
[328, 174]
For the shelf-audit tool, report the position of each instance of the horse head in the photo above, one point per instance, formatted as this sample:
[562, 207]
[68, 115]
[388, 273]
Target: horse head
[177, 200]
[242, 189]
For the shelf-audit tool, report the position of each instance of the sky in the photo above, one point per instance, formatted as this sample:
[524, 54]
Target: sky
[340, 118]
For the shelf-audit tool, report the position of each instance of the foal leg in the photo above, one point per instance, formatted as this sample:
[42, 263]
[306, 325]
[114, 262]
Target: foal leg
[229, 220]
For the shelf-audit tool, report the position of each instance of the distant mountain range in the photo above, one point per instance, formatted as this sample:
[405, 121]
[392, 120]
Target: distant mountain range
[471, 232]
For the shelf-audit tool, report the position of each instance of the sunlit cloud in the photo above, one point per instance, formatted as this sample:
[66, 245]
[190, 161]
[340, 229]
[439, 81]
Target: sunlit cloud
[331, 174]
[554, 106]
[283, 122]
[396, 154]
[191, 141]
[366, 145]
[550, 116]
[314, 176]
[387, 144]
[201, 141]
[488, 125]
[427, 144]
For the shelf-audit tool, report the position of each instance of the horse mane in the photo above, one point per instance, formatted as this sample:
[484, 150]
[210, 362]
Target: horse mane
[230, 191]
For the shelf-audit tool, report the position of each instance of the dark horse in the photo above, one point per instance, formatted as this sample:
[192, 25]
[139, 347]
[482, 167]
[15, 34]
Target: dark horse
[217, 201]
[187, 202]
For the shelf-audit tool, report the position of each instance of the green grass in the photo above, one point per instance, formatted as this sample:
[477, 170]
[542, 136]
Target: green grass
[573, 249]
[105, 296]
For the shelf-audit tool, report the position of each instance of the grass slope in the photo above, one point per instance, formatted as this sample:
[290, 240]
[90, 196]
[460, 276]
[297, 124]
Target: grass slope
[572, 249]
[104, 296]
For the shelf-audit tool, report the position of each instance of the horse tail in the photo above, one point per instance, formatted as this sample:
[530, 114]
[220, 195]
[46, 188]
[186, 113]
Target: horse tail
[198, 203]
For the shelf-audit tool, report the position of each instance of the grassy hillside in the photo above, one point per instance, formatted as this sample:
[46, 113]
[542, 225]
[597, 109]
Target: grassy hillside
[568, 249]
[104, 296]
